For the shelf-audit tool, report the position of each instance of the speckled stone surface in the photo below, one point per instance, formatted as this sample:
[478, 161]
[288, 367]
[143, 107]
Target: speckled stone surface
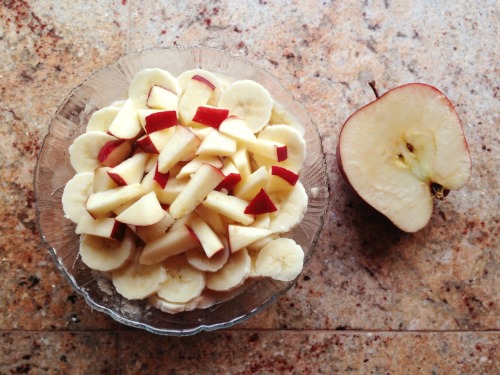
[405, 303]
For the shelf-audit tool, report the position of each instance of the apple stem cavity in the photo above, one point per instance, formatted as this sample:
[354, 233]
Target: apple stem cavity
[438, 191]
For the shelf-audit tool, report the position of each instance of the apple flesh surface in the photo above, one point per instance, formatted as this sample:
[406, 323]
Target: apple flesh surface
[402, 151]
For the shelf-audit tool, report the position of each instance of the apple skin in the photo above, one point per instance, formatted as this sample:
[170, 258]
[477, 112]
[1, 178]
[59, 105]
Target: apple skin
[204, 80]
[260, 204]
[282, 153]
[114, 152]
[210, 116]
[160, 120]
[285, 174]
[339, 156]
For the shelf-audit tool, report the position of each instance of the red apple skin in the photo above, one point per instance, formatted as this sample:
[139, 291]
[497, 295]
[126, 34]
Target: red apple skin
[229, 182]
[161, 178]
[260, 204]
[282, 153]
[114, 152]
[160, 120]
[118, 231]
[209, 116]
[285, 174]
[337, 151]
[145, 144]
[117, 179]
[204, 81]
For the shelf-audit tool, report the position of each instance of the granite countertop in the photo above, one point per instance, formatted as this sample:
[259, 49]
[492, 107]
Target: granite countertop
[372, 299]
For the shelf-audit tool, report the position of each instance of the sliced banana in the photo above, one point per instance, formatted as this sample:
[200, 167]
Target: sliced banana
[232, 274]
[75, 194]
[249, 101]
[103, 254]
[295, 143]
[84, 149]
[291, 210]
[171, 307]
[199, 259]
[138, 281]
[145, 79]
[280, 115]
[183, 282]
[102, 119]
[281, 259]
[186, 76]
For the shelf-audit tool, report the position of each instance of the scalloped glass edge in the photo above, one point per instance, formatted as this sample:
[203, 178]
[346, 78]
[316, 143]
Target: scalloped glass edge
[146, 58]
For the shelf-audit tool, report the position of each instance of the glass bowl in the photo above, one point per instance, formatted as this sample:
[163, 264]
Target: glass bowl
[53, 170]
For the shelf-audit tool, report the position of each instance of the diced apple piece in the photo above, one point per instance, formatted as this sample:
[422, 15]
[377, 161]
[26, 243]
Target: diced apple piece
[105, 227]
[114, 152]
[142, 113]
[153, 143]
[212, 218]
[281, 179]
[271, 150]
[173, 188]
[217, 144]
[146, 211]
[126, 124]
[229, 206]
[102, 181]
[202, 132]
[241, 236]
[199, 186]
[282, 135]
[160, 120]
[260, 204]
[99, 204]
[152, 232]
[195, 164]
[181, 144]
[129, 171]
[197, 92]
[242, 162]
[161, 98]
[210, 116]
[237, 129]
[170, 244]
[251, 185]
[232, 176]
[209, 240]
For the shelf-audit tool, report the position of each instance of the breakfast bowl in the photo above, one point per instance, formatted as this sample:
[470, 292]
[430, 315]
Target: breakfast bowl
[54, 170]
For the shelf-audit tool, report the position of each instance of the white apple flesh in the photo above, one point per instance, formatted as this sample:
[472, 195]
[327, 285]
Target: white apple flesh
[402, 151]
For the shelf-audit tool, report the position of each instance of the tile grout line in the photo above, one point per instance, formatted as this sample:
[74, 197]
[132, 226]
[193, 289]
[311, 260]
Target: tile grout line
[119, 331]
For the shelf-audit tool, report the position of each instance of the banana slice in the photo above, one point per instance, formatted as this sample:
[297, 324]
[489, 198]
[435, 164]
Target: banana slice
[84, 149]
[144, 80]
[183, 282]
[281, 259]
[232, 274]
[171, 307]
[291, 210]
[101, 119]
[138, 281]
[295, 143]
[199, 259]
[249, 101]
[103, 254]
[186, 76]
[75, 194]
[280, 115]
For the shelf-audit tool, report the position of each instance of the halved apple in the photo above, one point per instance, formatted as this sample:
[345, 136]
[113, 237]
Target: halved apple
[402, 151]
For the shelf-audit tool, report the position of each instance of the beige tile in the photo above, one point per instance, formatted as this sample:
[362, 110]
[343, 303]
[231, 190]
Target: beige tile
[291, 352]
[57, 353]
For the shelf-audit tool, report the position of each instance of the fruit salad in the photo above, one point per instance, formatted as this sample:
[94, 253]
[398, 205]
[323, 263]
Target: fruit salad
[187, 189]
